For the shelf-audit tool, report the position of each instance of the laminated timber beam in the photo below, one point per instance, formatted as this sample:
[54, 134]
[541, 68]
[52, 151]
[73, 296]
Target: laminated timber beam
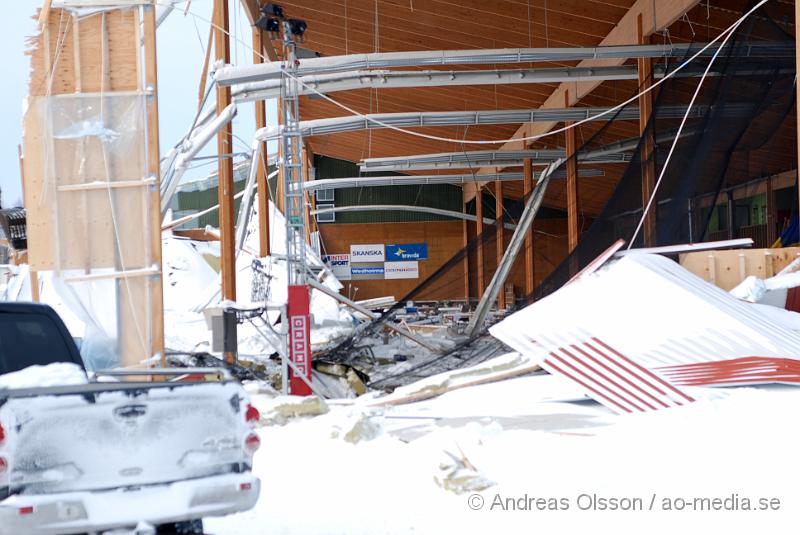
[797, 66]
[499, 238]
[645, 70]
[655, 16]
[527, 188]
[261, 180]
[478, 231]
[225, 191]
[573, 199]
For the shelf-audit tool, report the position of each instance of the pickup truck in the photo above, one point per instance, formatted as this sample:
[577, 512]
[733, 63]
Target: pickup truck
[98, 456]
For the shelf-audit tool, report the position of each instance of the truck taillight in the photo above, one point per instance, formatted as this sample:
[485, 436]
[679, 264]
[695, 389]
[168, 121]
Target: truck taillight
[252, 443]
[251, 415]
[3, 465]
[2, 435]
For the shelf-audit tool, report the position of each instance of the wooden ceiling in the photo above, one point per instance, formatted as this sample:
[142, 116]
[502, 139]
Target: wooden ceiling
[337, 27]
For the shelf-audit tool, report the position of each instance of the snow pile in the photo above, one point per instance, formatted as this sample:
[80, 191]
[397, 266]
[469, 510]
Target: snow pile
[398, 483]
[56, 374]
[191, 285]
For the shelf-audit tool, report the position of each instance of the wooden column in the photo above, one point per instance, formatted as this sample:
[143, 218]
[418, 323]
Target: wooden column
[154, 169]
[499, 237]
[797, 107]
[527, 187]
[465, 243]
[731, 213]
[479, 231]
[261, 178]
[772, 230]
[573, 230]
[645, 69]
[309, 219]
[225, 146]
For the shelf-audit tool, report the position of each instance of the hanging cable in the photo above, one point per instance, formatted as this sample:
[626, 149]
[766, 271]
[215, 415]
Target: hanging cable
[354, 113]
[683, 122]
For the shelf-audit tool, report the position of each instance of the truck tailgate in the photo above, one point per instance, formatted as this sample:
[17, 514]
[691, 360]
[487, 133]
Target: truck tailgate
[109, 435]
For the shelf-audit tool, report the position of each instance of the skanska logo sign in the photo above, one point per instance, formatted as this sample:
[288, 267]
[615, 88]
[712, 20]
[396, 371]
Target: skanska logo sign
[373, 252]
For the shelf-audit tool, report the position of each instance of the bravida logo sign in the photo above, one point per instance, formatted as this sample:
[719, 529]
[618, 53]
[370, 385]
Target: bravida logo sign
[406, 251]
[367, 253]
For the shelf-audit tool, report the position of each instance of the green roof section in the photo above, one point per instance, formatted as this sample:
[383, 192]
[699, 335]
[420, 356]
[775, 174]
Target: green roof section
[444, 196]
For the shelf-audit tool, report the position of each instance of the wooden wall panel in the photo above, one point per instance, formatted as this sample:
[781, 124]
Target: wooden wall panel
[444, 240]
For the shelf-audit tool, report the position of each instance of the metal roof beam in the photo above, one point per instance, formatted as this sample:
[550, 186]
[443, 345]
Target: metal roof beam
[539, 157]
[331, 83]
[406, 208]
[655, 16]
[616, 152]
[406, 180]
[231, 74]
[352, 123]
[349, 81]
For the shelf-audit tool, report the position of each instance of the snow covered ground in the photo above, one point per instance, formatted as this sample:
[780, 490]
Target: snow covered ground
[484, 459]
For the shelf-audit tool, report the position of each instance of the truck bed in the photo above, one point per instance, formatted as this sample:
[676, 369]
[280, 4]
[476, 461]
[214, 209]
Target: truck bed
[121, 435]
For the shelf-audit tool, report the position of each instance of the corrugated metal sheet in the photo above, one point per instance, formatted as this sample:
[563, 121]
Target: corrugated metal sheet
[198, 195]
[445, 196]
[650, 320]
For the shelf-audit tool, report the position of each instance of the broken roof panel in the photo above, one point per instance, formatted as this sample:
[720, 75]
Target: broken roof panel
[637, 327]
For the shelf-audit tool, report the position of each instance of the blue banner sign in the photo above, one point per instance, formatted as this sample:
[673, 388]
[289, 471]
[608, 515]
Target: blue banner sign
[366, 270]
[407, 251]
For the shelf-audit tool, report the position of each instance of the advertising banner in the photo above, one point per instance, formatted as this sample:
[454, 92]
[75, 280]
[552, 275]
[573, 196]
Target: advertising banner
[367, 253]
[406, 251]
[401, 270]
[367, 272]
[339, 264]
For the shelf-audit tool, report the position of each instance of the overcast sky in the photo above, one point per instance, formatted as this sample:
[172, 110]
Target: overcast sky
[181, 46]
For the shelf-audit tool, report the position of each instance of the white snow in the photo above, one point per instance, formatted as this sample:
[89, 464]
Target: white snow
[57, 374]
[316, 482]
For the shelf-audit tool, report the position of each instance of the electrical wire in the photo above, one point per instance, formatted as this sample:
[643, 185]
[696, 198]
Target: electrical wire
[354, 113]
[683, 123]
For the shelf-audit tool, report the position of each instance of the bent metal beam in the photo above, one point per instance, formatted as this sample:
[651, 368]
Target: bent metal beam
[227, 75]
[372, 121]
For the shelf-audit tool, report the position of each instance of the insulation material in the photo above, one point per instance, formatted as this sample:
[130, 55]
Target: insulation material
[637, 327]
[90, 187]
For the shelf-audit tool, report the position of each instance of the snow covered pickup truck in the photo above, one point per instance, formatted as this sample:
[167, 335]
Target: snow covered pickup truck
[97, 456]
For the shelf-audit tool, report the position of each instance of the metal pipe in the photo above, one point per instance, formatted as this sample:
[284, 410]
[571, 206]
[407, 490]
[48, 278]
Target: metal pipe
[407, 208]
[230, 74]
[517, 239]
[405, 180]
[352, 123]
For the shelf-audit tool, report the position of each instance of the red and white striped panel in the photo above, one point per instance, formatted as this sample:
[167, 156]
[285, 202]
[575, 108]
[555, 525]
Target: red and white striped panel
[613, 379]
[738, 371]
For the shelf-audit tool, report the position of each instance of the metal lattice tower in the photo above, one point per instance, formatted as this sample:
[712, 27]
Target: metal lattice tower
[291, 162]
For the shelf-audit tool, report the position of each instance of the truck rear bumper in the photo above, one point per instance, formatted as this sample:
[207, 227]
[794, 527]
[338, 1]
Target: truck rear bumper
[89, 511]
